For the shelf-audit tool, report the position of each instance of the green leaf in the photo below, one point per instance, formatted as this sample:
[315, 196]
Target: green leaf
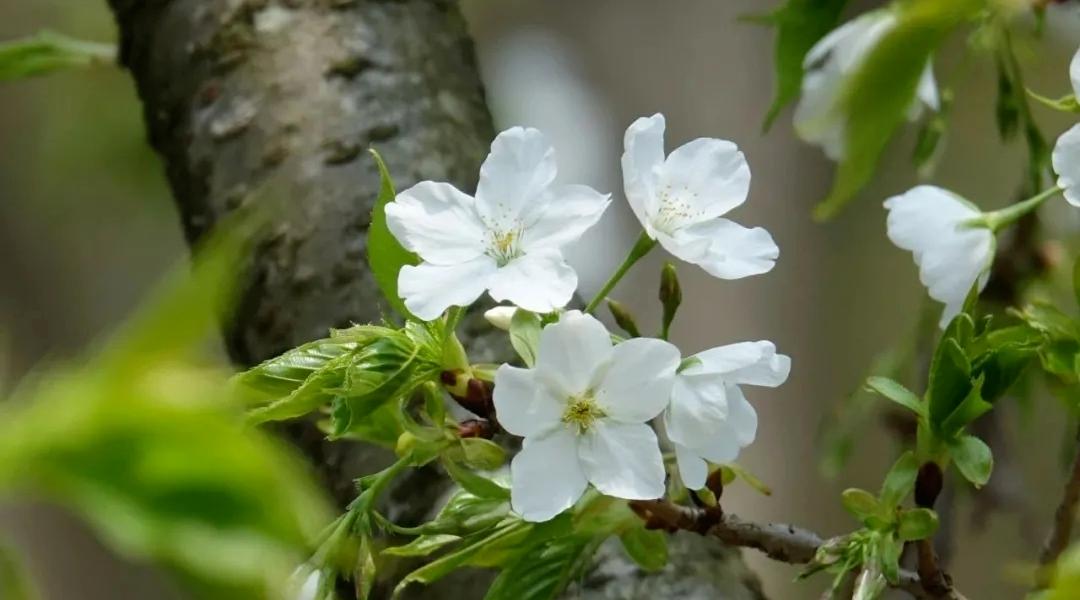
[48, 52]
[525, 335]
[1000, 357]
[748, 478]
[972, 407]
[545, 571]
[899, 394]
[950, 372]
[647, 548]
[876, 98]
[862, 505]
[281, 376]
[423, 545]
[1008, 103]
[1066, 103]
[917, 524]
[14, 580]
[799, 25]
[465, 513]
[973, 459]
[510, 533]
[889, 551]
[482, 454]
[1050, 320]
[900, 480]
[476, 484]
[386, 255]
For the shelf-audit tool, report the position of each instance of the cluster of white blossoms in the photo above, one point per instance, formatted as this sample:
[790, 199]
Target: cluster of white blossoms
[587, 407]
[953, 242]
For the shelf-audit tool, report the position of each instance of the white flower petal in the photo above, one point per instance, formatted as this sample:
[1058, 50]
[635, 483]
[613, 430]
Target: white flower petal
[525, 406]
[1066, 157]
[637, 385]
[642, 159]
[539, 281]
[952, 256]
[514, 176]
[736, 251]
[698, 409]
[436, 221]
[1074, 73]
[500, 316]
[693, 470]
[753, 363]
[742, 418]
[546, 476]
[722, 447]
[701, 180]
[568, 211]
[573, 352]
[428, 289]
[623, 460]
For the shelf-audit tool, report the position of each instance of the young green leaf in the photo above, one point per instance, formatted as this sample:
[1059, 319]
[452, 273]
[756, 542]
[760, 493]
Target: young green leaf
[862, 505]
[799, 25]
[482, 454]
[899, 394]
[950, 372]
[545, 571]
[386, 256]
[47, 52]
[647, 548]
[973, 459]
[917, 524]
[888, 553]
[474, 483]
[423, 545]
[900, 480]
[525, 335]
[972, 407]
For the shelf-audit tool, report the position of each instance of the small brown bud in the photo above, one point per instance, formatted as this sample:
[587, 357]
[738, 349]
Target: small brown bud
[715, 483]
[928, 484]
[476, 428]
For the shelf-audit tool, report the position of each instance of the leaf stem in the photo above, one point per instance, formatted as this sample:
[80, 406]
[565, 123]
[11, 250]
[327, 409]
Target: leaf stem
[642, 247]
[999, 219]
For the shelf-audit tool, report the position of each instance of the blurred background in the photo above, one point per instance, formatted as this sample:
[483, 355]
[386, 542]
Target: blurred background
[87, 226]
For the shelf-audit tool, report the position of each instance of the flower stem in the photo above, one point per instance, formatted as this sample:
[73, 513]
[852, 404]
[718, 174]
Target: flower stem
[999, 219]
[642, 247]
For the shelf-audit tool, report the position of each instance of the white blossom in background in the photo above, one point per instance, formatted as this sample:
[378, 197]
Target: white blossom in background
[1066, 161]
[819, 119]
[709, 418]
[507, 240]
[952, 255]
[680, 199]
[584, 412]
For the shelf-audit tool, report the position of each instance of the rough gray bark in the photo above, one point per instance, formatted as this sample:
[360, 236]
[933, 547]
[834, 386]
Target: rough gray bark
[249, 95]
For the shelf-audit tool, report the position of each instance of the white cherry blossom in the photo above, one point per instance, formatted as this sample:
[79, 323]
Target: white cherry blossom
[709, 418]
[1066, 160]
[819, 119]
[680, 199]
[507, 240]
[584, 412]
[953, 252]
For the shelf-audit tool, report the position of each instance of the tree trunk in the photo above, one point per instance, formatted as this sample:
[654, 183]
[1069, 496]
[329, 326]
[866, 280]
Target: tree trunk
[245, 96]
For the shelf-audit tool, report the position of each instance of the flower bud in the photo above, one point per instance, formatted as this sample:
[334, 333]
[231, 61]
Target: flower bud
[928, 484]
[500, 316]
[670, 295]
[623, 318]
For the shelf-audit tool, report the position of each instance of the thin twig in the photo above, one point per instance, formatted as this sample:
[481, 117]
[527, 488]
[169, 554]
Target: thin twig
[780, 542]
[1061, 532]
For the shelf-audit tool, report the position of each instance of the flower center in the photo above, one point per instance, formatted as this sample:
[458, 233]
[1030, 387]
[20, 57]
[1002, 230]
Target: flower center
[675, 209]
[504, 246]
[582, 411]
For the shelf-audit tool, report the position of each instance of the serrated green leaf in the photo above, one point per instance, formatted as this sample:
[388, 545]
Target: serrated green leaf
[899, 394]
[386, 255]
[799, 25]
[525, 335]
[972, 407]
[876, 98]
[282, 375]
[900, 480]
[861, 504]
[545, 571]
[48, 52]
[917, 524]
[423, 545]
[973, 459]
[950, 373]
[465, 513]
[1050, 320]
[510, 533]
[474, 483]
[482, 454]
[647, 548]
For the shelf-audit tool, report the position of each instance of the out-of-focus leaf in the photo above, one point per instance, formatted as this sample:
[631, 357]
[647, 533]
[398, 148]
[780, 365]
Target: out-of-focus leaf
[1067, 103]
[973, 459]
[799, 25]
[899, 394]
[900, 480]
[48, 52]
[1007, 105]
[525, 335]
[876, 98]
[647, 548]
[423, 545]
[1050, 320]
[386, 256]
[544, 572]
[917, 524]
[14, 580]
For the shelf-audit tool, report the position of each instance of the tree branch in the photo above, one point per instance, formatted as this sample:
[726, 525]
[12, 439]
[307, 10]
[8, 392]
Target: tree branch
[780, 542]
[1061, 532]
